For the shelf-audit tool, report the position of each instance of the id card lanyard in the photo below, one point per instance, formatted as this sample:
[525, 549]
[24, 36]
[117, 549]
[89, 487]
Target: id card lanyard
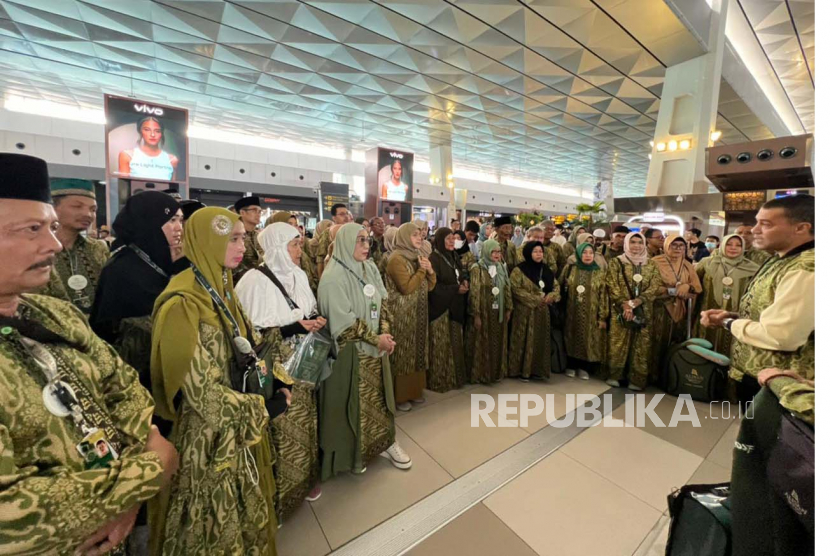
[146, 258]
[368, 289]
[217, 299]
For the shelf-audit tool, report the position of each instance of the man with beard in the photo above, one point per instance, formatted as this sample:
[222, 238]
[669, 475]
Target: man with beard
[78, 455]
[78, 266]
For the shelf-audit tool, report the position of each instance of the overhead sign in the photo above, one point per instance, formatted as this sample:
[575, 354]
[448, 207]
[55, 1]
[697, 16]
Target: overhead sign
[654, 217]
[332, 194]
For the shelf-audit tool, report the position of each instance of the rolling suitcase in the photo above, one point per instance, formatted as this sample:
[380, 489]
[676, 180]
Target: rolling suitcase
[693, 368]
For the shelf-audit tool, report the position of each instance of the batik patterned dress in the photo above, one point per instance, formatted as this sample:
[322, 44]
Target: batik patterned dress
[49, 504]
[215, 505]
[630, 351]
[486, 348]
[583, 336]
[86, 257]
[530, 334]
[252, 257]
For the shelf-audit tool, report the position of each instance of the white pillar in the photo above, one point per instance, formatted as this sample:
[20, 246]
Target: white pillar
[687, 117]
[440, 163]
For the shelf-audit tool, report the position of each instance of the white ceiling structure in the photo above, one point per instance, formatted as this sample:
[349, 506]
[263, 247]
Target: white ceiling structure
[560, 91]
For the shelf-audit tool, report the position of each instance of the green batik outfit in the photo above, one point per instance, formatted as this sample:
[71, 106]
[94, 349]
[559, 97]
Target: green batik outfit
[323, 248]
[530, 334]
[760, 294]
[53, 503]
[629, 351]
[221, 501]
[720, 337]
[583, 336]
[86, 257]
[549, 258]
[510, 255]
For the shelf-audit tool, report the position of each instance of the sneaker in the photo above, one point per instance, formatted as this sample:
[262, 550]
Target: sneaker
[583, 374]
[523, 379]
[397, 456]
[405, 406]
[634, 388]
[419, 400]
[315, 494]
[613, 383]
[570, 373]
[360, 471]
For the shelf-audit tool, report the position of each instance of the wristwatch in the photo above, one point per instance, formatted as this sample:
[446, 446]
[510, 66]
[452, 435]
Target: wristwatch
[727, 324]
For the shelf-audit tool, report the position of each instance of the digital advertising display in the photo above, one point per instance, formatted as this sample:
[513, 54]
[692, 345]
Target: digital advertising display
[396, 173]
[145, 141]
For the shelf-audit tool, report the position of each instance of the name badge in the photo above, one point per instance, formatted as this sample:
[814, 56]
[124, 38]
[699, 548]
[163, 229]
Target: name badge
[374, 314]
[369, 290]
[77, 282]
[495, 306]
[96, 450]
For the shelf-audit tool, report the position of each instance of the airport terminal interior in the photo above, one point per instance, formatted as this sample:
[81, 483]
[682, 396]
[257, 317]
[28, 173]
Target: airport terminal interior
[625, 142]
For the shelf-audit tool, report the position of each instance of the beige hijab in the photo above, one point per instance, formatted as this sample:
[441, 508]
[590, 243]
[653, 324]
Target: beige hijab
[426, 246]
[403, 242]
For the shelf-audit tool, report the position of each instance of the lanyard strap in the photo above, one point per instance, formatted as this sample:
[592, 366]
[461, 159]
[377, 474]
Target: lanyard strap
[220, 304]
[146, 258]
[452, 266]
[352, 272]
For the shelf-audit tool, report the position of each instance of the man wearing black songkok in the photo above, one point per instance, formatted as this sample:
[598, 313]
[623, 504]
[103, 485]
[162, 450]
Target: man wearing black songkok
[251, 212]
[504, 228]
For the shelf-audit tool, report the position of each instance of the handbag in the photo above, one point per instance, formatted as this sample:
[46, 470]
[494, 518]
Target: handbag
[639, 320]
[701, 521]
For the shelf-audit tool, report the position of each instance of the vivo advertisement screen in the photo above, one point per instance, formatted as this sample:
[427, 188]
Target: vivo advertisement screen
[396, 174]
[145, 141]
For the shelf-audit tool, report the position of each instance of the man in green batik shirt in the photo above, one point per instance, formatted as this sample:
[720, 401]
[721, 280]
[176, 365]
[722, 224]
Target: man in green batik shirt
[339, 215]
[78, 455]
[77, 267]
[251, 212]
[504, 228]
[775, 324]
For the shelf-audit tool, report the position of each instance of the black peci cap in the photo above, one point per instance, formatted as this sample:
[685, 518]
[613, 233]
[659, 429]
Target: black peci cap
[24, 177]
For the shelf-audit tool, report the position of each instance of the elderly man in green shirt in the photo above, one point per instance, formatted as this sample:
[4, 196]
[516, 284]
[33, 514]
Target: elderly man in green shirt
[78, 454]
[77, 267]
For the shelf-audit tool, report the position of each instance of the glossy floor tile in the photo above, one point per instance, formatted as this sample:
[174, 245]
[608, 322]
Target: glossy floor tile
[443, 430]
[710, 473]
[477, 531]
[642, 464]
[353, 504]
[562, 508]
[721, 454]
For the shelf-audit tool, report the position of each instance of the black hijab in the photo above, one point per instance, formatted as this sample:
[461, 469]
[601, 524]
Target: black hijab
[128, 286]
[466, 247]
[536, 271]
[445, 297]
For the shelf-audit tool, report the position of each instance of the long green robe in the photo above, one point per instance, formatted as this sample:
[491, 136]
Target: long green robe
[720, 337]
[293, 436]
[357, 420]
[49, 503]
[530, 334]
[486, 348]
[583, 336]
[213, 505]
[630, 351]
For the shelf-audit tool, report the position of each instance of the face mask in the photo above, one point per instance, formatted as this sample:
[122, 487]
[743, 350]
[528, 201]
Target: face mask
[710, 246]
[459, 244]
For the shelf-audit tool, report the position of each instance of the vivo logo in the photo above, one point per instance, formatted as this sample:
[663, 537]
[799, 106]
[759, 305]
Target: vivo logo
[396, 155]
[154, 110]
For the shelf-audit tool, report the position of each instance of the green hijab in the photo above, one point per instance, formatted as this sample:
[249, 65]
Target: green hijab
[582, 266]
[718, 265]
[341, 297]
[184, 304]
[501, 280]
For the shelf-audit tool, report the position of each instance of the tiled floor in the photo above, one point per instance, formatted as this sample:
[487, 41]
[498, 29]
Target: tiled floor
[604, 492]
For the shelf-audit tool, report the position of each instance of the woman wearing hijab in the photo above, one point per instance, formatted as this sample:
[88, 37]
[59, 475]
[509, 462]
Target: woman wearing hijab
[389, 246]
[489, 306]
[724, 277]
[332, 234]
[311, 245]
[633, 282]
[534, 289]
[222, 499]
[426, 246]
[357, 402]
[149, 229]
[447, 309]
[306, 265]
[588, 238]
[585, 328]
[409, 279]
[679, 284]
[569, 248]
[284, 319]
[465, 255]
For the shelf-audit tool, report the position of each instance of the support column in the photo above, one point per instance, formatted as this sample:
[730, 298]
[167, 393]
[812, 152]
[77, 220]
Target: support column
[687, 117]
[440, 163]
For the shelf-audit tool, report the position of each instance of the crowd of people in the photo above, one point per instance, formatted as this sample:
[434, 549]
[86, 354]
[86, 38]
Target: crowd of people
[138, 348]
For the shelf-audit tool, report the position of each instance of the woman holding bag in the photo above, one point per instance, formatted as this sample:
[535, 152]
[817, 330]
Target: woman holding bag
[633, 282]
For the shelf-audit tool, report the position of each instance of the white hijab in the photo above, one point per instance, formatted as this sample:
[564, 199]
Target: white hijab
[262, 300]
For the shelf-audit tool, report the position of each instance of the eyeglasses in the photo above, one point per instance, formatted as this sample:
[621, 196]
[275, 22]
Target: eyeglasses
[677, 246]
[368, 241]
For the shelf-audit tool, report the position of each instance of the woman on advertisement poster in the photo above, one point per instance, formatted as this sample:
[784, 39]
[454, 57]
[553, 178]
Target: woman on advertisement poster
[394, 189]
[148, 160]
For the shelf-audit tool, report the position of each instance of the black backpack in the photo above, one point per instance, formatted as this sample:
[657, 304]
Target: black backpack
[701, 521]
[689, 373]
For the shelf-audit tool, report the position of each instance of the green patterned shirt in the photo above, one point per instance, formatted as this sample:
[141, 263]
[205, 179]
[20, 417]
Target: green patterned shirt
[53, 503]
[87, 258]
